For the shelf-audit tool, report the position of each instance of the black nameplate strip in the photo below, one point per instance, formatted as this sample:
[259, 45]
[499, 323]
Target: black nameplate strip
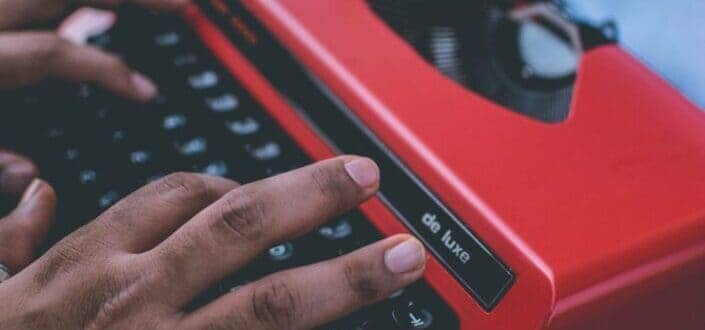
[455, 246]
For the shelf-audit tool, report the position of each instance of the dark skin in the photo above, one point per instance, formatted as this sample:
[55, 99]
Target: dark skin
[138, 264]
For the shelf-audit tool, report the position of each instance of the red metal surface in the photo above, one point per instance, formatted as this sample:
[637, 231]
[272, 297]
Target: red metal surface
[602, 217]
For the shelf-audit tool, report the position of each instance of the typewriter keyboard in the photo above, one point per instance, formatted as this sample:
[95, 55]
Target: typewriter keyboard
[96, 148]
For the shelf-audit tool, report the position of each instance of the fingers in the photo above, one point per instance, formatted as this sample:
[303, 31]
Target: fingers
[143, 219]
[18, 13]
[253, 217]
[29, 57]
[24, 230]
[16, 172]
[314, 295]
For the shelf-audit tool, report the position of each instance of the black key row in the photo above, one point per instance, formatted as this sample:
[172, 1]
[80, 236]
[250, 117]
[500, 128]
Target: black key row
[94, 146]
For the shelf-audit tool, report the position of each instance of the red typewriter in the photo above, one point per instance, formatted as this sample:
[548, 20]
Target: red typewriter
[557, 182]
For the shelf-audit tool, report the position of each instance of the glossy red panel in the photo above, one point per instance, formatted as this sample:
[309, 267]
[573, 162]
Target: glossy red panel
[597, 216]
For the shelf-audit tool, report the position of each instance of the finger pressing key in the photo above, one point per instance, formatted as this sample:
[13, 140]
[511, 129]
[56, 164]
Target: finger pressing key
[146, 217]
[27, 58]
[251, 218]
[314, 295]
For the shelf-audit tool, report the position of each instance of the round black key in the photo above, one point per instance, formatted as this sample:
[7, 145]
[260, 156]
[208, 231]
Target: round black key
[411, 316]
[109, 198]
[339, 229]
[281, 252]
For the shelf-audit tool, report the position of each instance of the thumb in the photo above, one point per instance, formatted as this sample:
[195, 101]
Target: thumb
[24, 230]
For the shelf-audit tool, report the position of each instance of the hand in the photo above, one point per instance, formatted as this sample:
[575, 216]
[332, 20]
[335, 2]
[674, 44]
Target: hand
[19, 13]
[23, 230]
[138, 264]
[26, 58]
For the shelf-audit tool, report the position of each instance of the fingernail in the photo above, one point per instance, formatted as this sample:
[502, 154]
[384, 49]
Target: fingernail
[31, 190]
[363, 171]
[405, 257]
[144, 86]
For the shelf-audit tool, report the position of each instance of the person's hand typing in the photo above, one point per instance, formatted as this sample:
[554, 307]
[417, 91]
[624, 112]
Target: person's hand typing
[139, 264]
[28, 56]
[142, 261]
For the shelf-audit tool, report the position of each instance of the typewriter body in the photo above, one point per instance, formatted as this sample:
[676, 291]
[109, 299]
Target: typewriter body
[548, 198]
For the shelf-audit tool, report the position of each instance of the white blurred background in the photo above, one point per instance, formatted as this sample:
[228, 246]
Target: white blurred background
[668, 35]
